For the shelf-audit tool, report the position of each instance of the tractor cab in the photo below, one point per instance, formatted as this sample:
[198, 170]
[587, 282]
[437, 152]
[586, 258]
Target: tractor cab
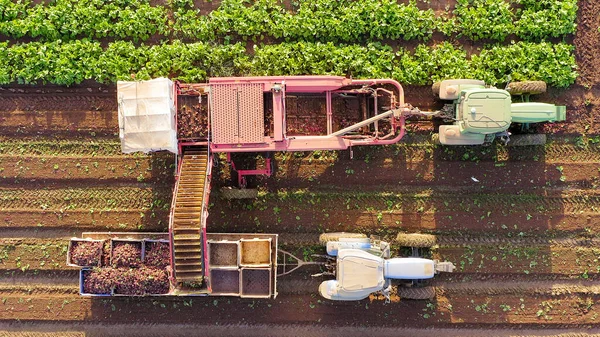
[484, 111]
[358, 274]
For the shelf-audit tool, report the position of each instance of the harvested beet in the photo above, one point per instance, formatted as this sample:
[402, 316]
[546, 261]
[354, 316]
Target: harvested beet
[99, 280]
[129, 282]
[126, 254]
[157, 254]
[86, 253]
[155, 281]
[192, 121]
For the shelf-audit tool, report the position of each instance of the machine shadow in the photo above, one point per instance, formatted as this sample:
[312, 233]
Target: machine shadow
[492, 214]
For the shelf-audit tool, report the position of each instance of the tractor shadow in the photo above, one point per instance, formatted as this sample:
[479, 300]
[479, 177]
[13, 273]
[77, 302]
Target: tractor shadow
[497, 212]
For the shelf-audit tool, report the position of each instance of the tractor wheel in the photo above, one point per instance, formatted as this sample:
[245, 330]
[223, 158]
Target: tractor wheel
[336, 236]
[231, 193]
[435, 88]
[535, 139]
[416, 240]
[526, 88]
[416, 293]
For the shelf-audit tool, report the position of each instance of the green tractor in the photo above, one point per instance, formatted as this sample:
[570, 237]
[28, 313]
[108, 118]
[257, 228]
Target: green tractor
[481, 113]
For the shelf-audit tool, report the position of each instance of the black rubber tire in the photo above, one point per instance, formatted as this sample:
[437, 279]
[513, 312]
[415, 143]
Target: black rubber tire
[527, 88]
[416, 293]
[535, 139]
[416, 240]
[435, 89]
[335, 236]
[232, 193]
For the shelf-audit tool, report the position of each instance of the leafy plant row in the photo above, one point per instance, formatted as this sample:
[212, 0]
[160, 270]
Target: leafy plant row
[68, 63]
[310, 20]
[496, 19]
[68, 19]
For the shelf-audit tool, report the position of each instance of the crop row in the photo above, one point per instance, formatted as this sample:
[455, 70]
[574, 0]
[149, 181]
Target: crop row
[68, 63]
[314, 20]
[93, 199]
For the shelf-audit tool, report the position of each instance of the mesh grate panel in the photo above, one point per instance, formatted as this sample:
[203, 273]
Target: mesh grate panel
[237, 115]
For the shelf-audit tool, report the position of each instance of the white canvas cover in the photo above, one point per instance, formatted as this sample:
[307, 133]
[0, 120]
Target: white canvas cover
[147, 116]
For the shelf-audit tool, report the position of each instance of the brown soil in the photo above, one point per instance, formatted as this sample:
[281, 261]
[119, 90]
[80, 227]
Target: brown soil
[519, 223]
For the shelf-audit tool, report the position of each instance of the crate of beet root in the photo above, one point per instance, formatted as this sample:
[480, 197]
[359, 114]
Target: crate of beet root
[135, 268]
[85, 253]
[157, 253]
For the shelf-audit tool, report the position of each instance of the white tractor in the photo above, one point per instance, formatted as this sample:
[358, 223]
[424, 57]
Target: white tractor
[363, 266]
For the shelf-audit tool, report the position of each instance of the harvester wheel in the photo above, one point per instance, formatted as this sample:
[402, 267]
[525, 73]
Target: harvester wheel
[435, 88]
[230, 193]
[534, 139]
[416, 293]
[336, 236]
[416, 240]
[526, 88]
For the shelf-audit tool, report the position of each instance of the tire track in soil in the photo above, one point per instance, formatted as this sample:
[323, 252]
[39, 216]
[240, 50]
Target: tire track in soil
[81, 171]
[449, 239]
[412, 208]
[85, 220]
[33, 289]
[65, 101]
[141, 196]
[46, 329]
[457, 312]
[63, 148]
[60, 120]
[41, 233]
[585, 41]
[531, 288]
[41, 278]
[573, 200]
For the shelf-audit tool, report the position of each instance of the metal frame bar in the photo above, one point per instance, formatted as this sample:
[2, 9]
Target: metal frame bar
[243, 173]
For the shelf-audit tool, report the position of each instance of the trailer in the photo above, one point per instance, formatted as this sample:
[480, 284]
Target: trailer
[241, 265]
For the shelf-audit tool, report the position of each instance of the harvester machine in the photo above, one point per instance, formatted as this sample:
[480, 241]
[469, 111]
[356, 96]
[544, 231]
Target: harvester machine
[252, 115]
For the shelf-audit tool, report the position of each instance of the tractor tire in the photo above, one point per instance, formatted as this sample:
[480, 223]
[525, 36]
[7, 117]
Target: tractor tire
[416, 240]
[416, 293]
[336, 236]
[527, 88]
[538, 139]
[232, 193]
[435, 88]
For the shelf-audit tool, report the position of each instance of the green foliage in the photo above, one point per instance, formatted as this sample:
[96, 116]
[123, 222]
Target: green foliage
[314, 20]
[373, 60]
[431, 64]
[11, 10]
[68, 19]
[188, 23]
[541, 19]
[235, 17]
[553, 63]
[310, 20]
[53, 62]
[71, 62]
[484, 19]
[349, 21]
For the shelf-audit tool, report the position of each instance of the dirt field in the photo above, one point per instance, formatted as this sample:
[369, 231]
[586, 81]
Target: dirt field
[524, 236]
